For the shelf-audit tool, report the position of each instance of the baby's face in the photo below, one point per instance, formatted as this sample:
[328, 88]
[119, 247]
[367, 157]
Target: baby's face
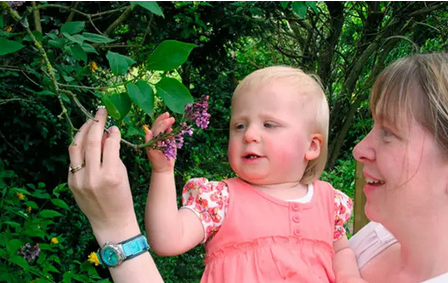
[271, 132]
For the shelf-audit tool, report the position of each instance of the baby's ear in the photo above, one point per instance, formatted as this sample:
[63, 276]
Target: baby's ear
[315, 146]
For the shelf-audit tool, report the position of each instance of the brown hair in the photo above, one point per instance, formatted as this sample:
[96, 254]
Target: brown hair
[419, 86]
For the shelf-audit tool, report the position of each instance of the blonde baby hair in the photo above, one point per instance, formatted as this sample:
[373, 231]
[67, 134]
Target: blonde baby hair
[317, 100]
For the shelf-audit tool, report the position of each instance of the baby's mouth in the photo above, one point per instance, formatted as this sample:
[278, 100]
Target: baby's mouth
[251, 156]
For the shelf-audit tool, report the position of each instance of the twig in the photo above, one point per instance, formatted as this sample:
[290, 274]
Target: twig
[36, 14]
[24, 73]
[94, 26]
[50, 68]
[4, 101]
[148, 28]
[4, 138]
[118, 21]
[72, 13]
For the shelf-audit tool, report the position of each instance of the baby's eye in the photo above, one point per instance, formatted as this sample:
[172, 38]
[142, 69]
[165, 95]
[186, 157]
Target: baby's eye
[239, 126]
[269, 125]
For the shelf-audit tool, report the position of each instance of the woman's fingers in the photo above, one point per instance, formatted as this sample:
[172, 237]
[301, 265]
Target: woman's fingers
[111, 153]
[93, 141]
[76, 150]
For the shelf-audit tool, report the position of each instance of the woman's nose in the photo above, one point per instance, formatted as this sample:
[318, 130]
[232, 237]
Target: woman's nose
[364, 150]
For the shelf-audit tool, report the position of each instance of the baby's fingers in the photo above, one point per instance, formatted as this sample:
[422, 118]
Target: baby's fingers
[162, 125]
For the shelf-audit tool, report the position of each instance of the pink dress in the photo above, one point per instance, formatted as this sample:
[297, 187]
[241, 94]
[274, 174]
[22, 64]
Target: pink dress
[264, 239]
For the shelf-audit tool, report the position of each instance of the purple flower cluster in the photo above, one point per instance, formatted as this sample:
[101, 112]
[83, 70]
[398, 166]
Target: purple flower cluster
[15, 3]
[29, 252]
[197, 112]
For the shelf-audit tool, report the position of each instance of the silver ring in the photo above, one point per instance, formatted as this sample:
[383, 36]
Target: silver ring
[76, 168]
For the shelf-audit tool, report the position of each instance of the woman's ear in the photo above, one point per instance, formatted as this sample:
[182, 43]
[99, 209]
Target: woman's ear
[313, 151]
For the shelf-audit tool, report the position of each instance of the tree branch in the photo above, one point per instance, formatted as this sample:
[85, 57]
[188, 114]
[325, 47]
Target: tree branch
[36, 14]
[118, 21]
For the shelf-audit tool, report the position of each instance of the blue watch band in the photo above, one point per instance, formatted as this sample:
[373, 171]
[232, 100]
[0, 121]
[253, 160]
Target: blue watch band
[135, 246]
[113, 255]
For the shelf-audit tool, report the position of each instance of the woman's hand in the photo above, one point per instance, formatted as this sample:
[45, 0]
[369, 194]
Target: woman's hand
[159, 162]
[101, 188]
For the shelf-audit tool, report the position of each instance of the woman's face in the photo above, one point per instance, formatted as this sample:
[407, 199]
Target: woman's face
[406, 172]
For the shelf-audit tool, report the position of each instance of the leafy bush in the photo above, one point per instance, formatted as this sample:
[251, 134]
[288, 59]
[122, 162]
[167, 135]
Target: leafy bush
[33, 246]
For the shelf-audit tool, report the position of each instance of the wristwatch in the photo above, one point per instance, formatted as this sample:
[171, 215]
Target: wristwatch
[112, 255]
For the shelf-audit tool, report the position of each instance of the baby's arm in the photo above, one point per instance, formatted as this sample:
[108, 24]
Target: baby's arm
[170, 231]
[344, 262]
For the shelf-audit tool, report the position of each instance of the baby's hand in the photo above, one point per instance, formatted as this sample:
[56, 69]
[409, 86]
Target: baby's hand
[158, 159]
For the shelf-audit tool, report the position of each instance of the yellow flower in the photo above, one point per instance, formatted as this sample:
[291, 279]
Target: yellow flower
[54, 240]
[20, 196]
[28, 209]
[93, 258]
[93, 66]
[8, 30]
[145, 128]
[123, 124]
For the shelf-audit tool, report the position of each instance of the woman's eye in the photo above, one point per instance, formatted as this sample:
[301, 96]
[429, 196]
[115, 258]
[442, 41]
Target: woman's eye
[387, 133]
[239, 126]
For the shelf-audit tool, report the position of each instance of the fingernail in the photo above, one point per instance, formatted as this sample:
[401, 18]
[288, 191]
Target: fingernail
[102, 110]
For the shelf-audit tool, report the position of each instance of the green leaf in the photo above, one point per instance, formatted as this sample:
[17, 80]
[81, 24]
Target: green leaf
[75, 38]
[142, 95]
[12, 224]
[37, 34]
[122, 102]
[13, 246]
[7, 174]
[151, 6]
[169, 55]
[60, 188]
[48, 213]
[58, 42]
[46, 92]
[88, 48]
[111, 108]
[31, 204]
[60, 203]
[119, 64]
[20, 261]
[312, 5]
[299, 8]
[79, 53]
[174, 94]
[73, 27]
[50, 268]
[96, 38]
[2, 22]
[256, 11]
[46, 247]
[284, 4]
[9, 46]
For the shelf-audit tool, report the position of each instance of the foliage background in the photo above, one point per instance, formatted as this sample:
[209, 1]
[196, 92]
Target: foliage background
[345, 43]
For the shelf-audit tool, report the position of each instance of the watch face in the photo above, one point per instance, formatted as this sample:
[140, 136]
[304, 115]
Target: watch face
[109, 256]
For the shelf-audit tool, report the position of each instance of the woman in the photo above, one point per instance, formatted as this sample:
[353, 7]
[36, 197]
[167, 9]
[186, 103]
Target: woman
[405, 160]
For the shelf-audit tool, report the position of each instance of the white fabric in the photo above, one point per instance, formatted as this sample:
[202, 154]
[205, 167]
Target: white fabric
[306, 198]
[439, 279]
[370, 241]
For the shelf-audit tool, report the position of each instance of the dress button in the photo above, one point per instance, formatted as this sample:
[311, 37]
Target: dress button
[295, 206]
[297, 232]
[296, 219]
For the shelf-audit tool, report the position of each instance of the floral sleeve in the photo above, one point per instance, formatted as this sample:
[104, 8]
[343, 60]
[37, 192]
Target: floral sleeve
[343, 206]
[209, 201]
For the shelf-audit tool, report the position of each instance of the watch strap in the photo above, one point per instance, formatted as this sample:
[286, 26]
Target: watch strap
[134, 246]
